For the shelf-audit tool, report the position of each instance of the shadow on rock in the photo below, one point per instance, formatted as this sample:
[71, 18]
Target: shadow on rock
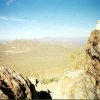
[44, 95]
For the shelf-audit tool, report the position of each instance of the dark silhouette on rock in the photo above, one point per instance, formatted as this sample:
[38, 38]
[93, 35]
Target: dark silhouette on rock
[44, 95]
[37, 82]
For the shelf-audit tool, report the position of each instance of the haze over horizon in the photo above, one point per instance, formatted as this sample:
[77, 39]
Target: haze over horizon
[47, 18]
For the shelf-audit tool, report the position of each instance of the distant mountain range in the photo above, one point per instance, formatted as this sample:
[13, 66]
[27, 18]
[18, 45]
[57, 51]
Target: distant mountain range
[78, 41]
[81, 40]
[3, 41]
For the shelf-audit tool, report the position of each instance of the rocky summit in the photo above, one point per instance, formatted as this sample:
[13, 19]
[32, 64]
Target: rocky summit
[79, 84]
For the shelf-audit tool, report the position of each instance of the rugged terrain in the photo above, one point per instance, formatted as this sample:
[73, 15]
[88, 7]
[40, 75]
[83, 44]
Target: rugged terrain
[14, 86]
[40, 58]
[80, 84]
[83, 83]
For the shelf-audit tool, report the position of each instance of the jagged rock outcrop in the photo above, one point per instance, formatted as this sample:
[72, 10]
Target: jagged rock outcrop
[93, 54]
[14, 86]
[84, 83]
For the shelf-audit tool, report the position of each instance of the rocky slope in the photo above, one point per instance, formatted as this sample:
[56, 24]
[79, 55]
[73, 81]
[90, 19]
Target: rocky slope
[14, 86]
[84, 83]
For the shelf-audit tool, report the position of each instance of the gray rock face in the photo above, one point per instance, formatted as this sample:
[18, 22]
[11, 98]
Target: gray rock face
[84, 83]
[14, 86]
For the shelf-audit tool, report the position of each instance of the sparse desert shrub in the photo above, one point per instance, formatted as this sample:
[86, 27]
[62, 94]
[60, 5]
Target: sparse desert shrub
[77, 58]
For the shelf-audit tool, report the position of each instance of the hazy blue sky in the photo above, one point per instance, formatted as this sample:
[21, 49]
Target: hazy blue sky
[47, 18]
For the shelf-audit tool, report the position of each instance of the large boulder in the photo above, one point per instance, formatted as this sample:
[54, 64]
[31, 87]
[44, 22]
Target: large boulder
[83, 83]
[14, 86]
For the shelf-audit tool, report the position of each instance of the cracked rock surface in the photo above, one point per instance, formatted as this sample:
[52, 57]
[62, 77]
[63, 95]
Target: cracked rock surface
[93, 54]
[14, 86]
